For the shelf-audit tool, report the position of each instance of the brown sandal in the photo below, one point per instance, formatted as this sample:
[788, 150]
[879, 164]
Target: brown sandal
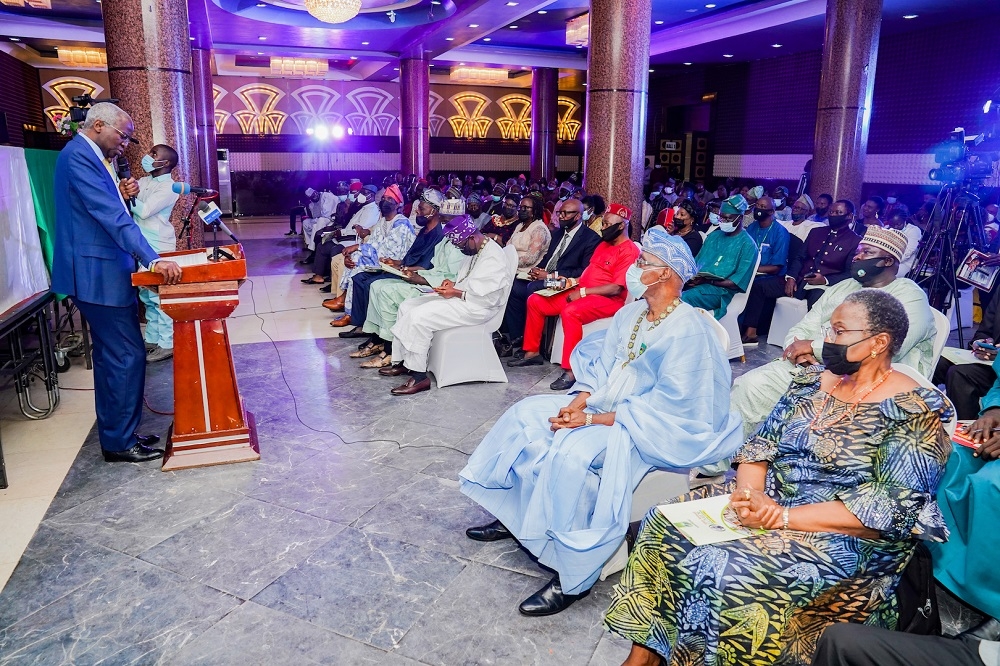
[381, 361]
[366, 351]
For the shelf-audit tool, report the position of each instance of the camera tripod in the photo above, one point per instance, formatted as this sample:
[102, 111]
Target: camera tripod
[955, 226]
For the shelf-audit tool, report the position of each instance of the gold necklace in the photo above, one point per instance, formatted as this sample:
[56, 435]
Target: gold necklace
[632, 355]
[816, 424]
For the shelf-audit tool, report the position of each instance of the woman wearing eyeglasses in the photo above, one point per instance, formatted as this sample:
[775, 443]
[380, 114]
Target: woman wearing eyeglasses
[838, 486]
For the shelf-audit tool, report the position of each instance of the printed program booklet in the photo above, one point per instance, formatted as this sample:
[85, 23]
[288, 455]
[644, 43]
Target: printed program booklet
[705, 521]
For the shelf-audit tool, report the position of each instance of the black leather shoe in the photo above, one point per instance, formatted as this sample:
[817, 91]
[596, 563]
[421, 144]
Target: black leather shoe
[355, 332]
[147, 440]
[549, 600]
[517, 342]
[564, 383]
[326, 289]
[989, 630]
[137, 453]
[522, 362]
[495, 531]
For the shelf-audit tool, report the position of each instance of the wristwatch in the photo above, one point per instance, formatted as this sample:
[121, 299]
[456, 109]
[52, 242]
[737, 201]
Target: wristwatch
[784, 519]
[583, 291]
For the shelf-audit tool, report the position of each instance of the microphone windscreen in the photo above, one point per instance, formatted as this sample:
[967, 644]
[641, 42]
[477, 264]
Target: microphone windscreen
[181, 188]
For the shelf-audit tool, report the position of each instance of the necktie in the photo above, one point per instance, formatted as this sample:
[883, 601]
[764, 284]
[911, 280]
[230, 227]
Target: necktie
[557, 255]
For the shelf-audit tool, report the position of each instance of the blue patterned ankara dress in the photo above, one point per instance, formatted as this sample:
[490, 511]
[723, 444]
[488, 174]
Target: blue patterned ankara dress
[766, 599]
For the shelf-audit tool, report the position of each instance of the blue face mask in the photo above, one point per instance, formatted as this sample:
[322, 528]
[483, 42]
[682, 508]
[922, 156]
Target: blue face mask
[633, 281]
[587, 214]
[149, 164]
[714, 219]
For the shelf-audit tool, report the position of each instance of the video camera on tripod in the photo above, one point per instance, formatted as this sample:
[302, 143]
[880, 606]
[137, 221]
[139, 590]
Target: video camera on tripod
[83, 103]
[958, 163]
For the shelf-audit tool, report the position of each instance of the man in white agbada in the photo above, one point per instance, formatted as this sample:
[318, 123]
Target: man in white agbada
[475, 297]
[651, 392]
[321, 207]
[875, 264]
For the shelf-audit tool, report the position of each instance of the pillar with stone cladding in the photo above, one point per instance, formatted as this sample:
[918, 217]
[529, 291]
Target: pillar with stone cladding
[617, 91]
[149, 68]
[847, 80]
[544, 121]
[204, 117]
[414, 116]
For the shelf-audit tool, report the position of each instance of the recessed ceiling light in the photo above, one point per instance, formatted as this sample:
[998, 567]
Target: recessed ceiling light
[727, 55]
[579, 46]
[473, 25]
[262, 4]
[911, 16]
[542, 11]
[260, 53]
[56, 48]
[513, 27]
[435, 2]
[431, 65]
[584, 85]
[710, 6]
[191, 38]
[461, 64]
[364, 43]
[658, 22]
[15, 39]
[512, 4]
[651, 71]
[449, 39]
[395, 69]
[354, 57]
[261, 37]
[776, 46]
[689, 63]
[487, 39]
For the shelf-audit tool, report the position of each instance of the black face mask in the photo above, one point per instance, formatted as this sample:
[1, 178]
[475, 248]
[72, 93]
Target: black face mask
[611, 233]
[523, 215]
[835, 358]
[422, 220]
[866, 270]
[760, 215]
[837, 221]
[509, 212]
[387, 209]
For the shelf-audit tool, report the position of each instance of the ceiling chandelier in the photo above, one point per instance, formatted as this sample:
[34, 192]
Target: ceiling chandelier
[333, 11]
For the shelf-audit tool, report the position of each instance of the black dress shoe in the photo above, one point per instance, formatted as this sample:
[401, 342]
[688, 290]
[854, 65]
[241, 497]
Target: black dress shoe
[137, 453]
[549, 600]
[522, 362]
[495, 531]
[988, 630]
[517, 342]
[308, 260]
[147, 440]
[326, 289]
[564, 383]
[355, 332]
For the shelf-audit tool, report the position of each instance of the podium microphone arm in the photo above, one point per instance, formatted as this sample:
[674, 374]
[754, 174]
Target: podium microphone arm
[222, 225]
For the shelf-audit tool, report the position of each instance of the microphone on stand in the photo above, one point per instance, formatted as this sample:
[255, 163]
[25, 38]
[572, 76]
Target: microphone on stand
[212, 215]
[188, 188]
[124, 173]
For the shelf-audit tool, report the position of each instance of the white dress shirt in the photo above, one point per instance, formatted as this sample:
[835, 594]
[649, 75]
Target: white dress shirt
[152, 209]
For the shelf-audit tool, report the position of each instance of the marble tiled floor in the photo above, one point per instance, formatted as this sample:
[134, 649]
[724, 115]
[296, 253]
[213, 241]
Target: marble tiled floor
[343, 545]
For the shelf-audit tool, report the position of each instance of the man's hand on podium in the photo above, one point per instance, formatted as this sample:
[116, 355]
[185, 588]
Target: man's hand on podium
[170, 271]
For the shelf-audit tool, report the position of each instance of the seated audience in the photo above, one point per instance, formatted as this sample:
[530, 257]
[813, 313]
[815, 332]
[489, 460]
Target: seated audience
[570, 249]
[871, 215]
[823, 203]
[899, 219]
[825, 257]
[772, 241]
[850, 644]
[298, 212]
[782, 207]
[321, 208]
[474, 209]
[967, 383]
[501, 225]
[725, 262]
[594, 208]
[875, 263]
[970, 502]
[682, 223]
[799, 225]
[388, 242]
[599, 293]
[496, 202]
[473, 298]
[558, 473]
[531, 237]
[838, 486]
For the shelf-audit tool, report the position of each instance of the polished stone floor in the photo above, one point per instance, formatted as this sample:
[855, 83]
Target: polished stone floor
[343, 545]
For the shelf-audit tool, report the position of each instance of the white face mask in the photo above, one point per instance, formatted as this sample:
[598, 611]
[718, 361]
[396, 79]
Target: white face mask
[727, 227]
[352, 196]
[668, 190]
[990, 217]
[633, 282]
[714, 219]
[778, 203]
[587, 214]
[653, 195]
[361, 199]
[342, 197]
[891, 200]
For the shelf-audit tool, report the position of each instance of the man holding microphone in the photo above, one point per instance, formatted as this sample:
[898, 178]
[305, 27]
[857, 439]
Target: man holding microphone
[97, 245]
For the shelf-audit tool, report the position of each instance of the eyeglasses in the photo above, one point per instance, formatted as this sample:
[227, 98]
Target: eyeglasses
[642, 263]
[128, 138]
[830, 333]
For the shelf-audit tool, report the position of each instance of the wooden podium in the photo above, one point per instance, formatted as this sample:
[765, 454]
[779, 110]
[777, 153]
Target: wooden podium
[211, 425]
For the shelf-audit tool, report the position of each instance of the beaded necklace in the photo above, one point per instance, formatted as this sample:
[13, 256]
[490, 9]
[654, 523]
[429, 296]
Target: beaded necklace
[475, 258]
[821, 421]
[638, 324]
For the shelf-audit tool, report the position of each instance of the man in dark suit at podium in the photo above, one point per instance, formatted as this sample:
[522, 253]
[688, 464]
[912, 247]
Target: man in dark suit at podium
[569, 253]
[97, 245]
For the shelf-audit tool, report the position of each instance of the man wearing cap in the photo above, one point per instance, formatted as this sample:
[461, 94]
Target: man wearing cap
[473, 298]
[599, 293]
[496, 200]
[430, 260]
[474, 209]
[651, 391]
[725, 262]
[875, 264]
[799, 224]
[772, 241]
[390, 239]
[320, 217]
[782, 207]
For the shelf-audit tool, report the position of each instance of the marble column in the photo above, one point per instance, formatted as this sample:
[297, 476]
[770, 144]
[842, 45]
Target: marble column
[617, 78]
[414, 116]
[204, 117]
[544, 121]
[149, 68]
[845, 97]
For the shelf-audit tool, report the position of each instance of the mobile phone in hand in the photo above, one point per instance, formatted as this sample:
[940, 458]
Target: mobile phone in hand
[985, 346]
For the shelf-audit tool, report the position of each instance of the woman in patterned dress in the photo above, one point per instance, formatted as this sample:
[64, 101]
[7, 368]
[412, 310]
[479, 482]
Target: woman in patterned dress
[839, 480]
